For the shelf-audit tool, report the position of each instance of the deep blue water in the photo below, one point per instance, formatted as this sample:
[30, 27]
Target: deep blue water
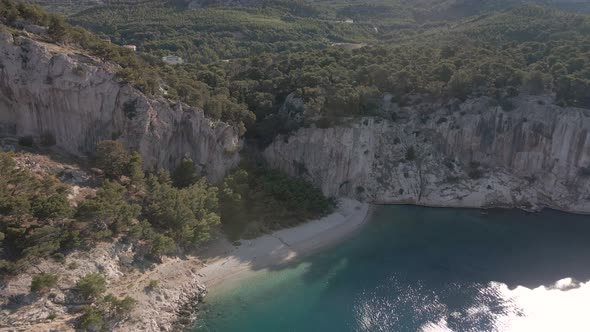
[422, 269]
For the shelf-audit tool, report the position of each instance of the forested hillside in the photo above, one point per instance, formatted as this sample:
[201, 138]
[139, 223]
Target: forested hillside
[340, 58]
[42, 216]
[342, 68]
[290, 51]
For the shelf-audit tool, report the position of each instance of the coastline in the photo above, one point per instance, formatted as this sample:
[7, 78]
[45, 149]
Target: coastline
[224, 261]
[180, 279]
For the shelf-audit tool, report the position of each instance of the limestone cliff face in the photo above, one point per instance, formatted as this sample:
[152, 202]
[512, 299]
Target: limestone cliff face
[47, 90]
[471, 154]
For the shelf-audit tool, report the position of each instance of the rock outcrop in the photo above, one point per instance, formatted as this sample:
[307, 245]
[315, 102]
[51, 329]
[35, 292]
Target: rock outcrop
[160, 308]
[57, 94]
[527, 153]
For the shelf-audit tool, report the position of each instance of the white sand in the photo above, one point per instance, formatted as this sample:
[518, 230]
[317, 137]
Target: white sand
[179, 276]
[227, 261]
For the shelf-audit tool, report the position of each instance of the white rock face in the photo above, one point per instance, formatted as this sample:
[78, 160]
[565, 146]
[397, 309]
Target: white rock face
[45, 89]
[473, 154]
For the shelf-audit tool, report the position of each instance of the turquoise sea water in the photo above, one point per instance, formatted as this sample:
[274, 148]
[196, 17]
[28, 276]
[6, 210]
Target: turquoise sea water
[422, 269]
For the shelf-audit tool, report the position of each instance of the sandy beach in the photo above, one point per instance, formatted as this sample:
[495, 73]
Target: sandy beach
[180, 278]
[224, 260]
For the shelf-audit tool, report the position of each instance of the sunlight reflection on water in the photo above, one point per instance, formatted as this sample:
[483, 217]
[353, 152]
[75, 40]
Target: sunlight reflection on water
[560, 307]
[430, 270]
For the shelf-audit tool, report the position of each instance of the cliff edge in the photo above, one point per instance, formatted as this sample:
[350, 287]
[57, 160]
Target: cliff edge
[527, 153]
[73, 100]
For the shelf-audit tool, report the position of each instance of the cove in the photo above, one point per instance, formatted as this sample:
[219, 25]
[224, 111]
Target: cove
[423, 269]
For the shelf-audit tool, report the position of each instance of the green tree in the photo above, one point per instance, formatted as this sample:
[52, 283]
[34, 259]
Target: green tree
[444, 71]
[91, 285]
[135, 171]
[57, 29]
[112, 158]
[161, 245]
[108, 210]
[17, 187]
[185, 174]
[54, 207]
[534, 82]
[461, 84]
[43, 282]
[410, 154]
[91, 320]
[119, 307]
[186, 215]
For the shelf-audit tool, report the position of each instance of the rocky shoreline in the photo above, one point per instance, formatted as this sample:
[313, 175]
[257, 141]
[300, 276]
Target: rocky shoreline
[180, 283]
[187, 311]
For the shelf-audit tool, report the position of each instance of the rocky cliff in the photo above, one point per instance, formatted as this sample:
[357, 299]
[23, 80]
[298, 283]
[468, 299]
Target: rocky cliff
[57, 94]
[526, 153]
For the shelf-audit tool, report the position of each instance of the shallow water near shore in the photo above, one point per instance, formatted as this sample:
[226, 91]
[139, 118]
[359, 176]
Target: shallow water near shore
[423, 269]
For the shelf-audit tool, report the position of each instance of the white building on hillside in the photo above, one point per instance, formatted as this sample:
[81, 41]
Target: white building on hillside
[172, 59]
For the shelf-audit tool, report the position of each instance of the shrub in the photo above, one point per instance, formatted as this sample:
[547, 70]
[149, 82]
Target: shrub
[130, 109]
[78, 70]
[475, 173]
[43, 282]
[91, 320]
[53, 207]
[410, 154]
[452, 179]
[153, 284]
[57, 29]
[52, 316]
[59, 257]
[584, 171]
[26, 141]
[119, 306]
[507, 105]
[91, 285]
[47, 139]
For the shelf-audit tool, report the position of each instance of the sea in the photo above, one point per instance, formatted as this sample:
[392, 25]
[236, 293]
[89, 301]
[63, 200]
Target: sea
[423, 269]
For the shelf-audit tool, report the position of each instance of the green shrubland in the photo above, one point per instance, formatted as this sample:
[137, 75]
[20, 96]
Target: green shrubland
[161, 213]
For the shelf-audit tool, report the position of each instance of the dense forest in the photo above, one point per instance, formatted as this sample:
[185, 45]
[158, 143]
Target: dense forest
[256, 54]
[243, 59]
[273, 51]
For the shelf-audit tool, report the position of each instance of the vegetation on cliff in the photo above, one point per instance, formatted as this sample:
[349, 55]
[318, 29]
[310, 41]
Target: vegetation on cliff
[241, 63]
[162, 216]
[256, 200]
[151, 77]
[260, 53]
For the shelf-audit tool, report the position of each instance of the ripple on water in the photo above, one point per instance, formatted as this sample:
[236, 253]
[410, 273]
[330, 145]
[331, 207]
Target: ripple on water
[419, 269]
